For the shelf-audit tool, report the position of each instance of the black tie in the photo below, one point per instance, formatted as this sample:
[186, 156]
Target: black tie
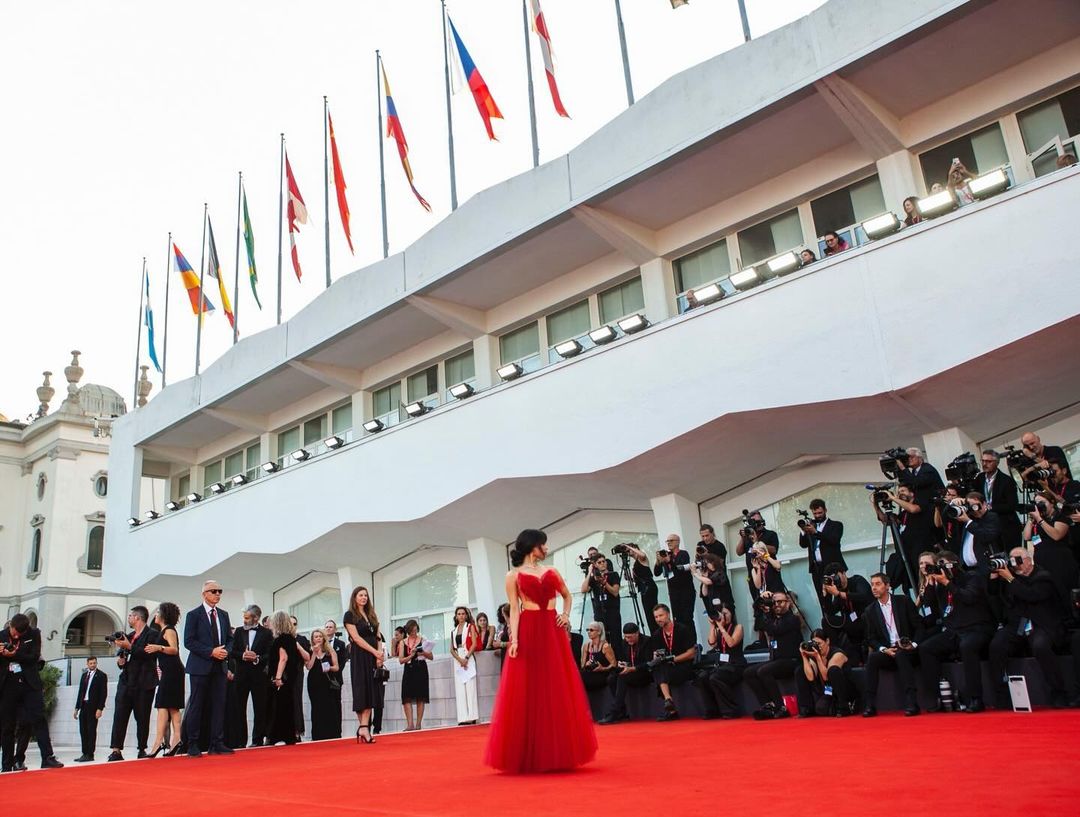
[214, 627]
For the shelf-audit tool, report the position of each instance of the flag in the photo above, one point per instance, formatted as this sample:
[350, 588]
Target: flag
[297, 212]
[394, 129]
[485, 103]
[339, 183]
[213, 269]
[249, 243]
[148, 319]
[191, 282]
[540, 26]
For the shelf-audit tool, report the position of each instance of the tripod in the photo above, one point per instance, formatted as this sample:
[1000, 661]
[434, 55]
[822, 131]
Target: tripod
[892, 526]
[626, 576]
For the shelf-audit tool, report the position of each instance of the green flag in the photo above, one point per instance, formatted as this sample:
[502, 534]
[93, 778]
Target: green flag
[249, 243]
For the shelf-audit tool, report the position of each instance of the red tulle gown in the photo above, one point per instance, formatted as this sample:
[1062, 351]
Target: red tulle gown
[541, 721]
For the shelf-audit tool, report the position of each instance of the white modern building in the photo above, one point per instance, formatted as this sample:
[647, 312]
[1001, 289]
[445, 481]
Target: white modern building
[956, 333]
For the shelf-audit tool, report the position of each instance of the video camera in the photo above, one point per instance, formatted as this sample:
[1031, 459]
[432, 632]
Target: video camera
[881, 494]
[892, 462]
[1017, 460]
[621, 549]
[750, 524]
[963, 471]
[586, 563]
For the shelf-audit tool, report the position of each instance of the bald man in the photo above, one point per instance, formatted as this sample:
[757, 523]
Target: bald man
[208, 639]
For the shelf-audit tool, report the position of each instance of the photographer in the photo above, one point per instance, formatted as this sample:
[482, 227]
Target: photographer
[947, 530]
[21, 699]
[845, 598]
[1001, 497]
[597, 658]
[643, 579]
[1065, 489]
[674, 565]
[673, 650]
[135, 688]
[1033, 625]
[917, 474]
[631, 670]
[966, 627]
[892, 632]
[823, 682]
[1039, 454]
[821, 537]
[754, 533]
[715, 588]
[602, 583]
[916, 531]
[982, 531]
[710, 544]
[929, 600]
[784, 632]
[1046, 532]
[724, 668]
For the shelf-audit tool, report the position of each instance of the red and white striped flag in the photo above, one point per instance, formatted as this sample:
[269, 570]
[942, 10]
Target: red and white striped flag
[297, 212]
[540, 26]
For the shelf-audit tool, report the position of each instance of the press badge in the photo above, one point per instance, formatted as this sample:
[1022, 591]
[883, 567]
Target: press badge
[853, 616]
[724, 658]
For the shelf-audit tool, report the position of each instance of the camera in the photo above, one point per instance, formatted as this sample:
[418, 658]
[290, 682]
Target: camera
[905, 643]
[804, 519]
[1039, 474]
[1017, 460]
[622, 549]
[765, 603]
[963, 471]
[881, 494]
[892, 462]
[956, 511]
[1026, 507]
[662, 552]
[832, 579]
[808, 647]
[750, 524]
[585, 563]
[1001, 561]
[660, 657]
[117, 636]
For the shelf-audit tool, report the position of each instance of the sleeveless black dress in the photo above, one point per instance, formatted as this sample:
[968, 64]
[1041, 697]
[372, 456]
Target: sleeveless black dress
[325, 702]
[170, 691]
[362, 664]
[414, 679]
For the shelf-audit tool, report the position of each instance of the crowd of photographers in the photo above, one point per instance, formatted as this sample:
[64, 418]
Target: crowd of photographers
[969, 572]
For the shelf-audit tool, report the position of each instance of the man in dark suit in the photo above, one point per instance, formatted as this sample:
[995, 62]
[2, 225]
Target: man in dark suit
[821, 537]
[982, 532]
[207, 638]
[248, 656]
[632, 655]
[892, 633]
[20, 692]
[999, 489]
[135, 689]
[920, 476]
[339, 645]
[89, 707]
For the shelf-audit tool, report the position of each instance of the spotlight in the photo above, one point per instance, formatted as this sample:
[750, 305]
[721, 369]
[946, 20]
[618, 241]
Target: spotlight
[373, 426]
[416, 409]
[605, 334]
[238, 480]
[989, 184]
[193, 497]
[511, 371]
[172, 506]
[152, 515]
[216, 488]
[270, 467]
[707, 294]
[333, 441]
[881, 226]
[134, 522]
[568, 348]
[676, 3]
[937, 204]
[635, 323]
[783, 264]
[462, 390]
[744, 279]
[301, 454]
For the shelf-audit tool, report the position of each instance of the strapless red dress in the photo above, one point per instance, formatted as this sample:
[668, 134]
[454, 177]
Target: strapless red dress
[541, 721]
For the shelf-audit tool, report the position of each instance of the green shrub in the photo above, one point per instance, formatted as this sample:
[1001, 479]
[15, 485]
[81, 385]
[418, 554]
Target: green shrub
[50, 677]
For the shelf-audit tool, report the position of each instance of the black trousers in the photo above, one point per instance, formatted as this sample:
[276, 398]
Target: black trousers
[940, 647]
[717, 688]
[1039, 645]
[377, 709]
[21, 704]
[673, 674]
[609, 614]
[618, 684]
[904, 664]
[252, 683]
[207, 694]
[812, 696]
[594, 680]
[1074, 648]
[132, 701]
[682, 605]
[649, 599]
[298, 703]
[88, 724]
[762, 679]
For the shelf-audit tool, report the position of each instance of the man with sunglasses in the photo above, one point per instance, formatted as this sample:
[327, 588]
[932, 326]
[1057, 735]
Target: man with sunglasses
[208, 639]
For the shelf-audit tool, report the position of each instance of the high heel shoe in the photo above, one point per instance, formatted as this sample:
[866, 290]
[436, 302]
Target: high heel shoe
[157, 751]
[174, 750]
[367, 738]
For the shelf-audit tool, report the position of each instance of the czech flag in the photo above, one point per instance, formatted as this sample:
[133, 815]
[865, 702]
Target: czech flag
[394, 129]
[485, 102]
[191, 282]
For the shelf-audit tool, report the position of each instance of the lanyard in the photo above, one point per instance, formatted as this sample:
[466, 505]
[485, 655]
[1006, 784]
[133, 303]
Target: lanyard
[669, 640]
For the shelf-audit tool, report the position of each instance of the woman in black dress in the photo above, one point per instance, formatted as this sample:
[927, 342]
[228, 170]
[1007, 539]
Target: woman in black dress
[324, 688]
[365, 656]
[597, 657]
[288, 670]
[414, 675]
[170, 691]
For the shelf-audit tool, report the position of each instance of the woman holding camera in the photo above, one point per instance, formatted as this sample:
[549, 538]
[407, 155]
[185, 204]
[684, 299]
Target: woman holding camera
[170, 691]
[715, 589]
[717, 685]
[324, 688]
[464, 640]
[1046, 536]
[597, 658]
[765, 569]
[414, 675]
[822, 683]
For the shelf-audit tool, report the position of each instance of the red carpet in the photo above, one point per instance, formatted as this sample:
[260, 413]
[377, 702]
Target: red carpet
[1012, 764]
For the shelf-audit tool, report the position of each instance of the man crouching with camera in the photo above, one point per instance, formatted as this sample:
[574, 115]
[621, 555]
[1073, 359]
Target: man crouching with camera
[784, 634]
[631, 670]
[822, 682]
[673, 649]
[892, 629]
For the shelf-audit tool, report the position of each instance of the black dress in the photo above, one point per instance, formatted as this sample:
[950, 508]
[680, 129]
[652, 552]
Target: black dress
[170, 691]
[590, 677]
[414, 679]
[325, 702]
[282, 712]
[362, 664]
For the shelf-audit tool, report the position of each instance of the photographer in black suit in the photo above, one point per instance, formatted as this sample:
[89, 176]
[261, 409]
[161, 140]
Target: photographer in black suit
[21, 698]
[784, 633]
[982, 532]
[999, 489]
[915, 523]
[632, 656]
[248, 657]
[673, 651]
[138, 678]
[755, 533]
[920, 476]
[673, 563]
[892, 633]
[842, 605]
[602, 583]
[90, 706]
[821, 536]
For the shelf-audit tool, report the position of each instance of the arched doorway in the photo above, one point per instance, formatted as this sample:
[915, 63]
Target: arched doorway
[85, 633]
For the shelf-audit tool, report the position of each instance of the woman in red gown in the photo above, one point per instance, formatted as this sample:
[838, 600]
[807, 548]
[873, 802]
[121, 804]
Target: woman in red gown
[541, 721]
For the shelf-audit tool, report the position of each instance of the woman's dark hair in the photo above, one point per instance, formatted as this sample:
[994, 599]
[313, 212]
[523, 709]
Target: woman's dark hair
[483, 616]
[169, 612]
[409, 625]
[468, 615]
[503, 613]
[526, 541]
[713, 562]
[819, 633]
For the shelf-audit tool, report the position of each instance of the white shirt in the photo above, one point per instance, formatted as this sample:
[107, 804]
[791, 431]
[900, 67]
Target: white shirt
[989, 480]
[819, 527]
[207, 608]
[968, 550]
[890, 621]
[251, 638]
[89, 680]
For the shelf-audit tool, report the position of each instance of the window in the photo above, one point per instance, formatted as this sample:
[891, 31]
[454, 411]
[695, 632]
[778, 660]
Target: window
[851, 205]
[522, 346]
[234, 464]
[460, 369]
[287, 442]
[35, 554]
[980, 151]
[42, 480]
[1047, 125]
[622, 300]
[251, 461]
[101, 486]
[183, 486]
[95, 548]
[431, 597]
[341, 421]
[770, 237]
[423, 387]
[572, 322]
[211, 474]
[317, 609]
[315, 430]
[387, 404]
[702, 267]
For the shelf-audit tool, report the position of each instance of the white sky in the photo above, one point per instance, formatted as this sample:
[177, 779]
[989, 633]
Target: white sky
[121, 119]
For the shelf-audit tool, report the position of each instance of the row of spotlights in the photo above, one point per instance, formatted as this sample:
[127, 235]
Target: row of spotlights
[572, 348]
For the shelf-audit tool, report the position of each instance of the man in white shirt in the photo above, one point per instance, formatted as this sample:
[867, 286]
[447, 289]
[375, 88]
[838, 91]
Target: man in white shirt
[891, 632]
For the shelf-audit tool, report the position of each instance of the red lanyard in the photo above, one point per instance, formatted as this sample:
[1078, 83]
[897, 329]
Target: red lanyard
[723, 644]
[632, 651]
[669, 639]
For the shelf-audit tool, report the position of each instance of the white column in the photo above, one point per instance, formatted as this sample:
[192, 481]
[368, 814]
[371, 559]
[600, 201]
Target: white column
[136, 482]
[942, 446]
[658, 289]
[899, 179]
[267, 448]
[486, 360]
[489, 566]
[350, 577]
[676, 514]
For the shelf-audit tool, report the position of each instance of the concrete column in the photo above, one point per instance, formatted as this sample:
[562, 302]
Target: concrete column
[942, 446]
[350, 577]
[358, 416]
[486, 360]
[196, 479]
[1014, 147]
[260, 596]
[900, 177]
[489, 566]
[267, 449]
[658, 288]
[676, 514]
[136, 481]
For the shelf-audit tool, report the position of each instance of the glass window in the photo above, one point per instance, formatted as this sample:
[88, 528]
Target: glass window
[183, 486]
[41, 481]
[251, 461]
[431, 598]
[211, 474]
[702, 267]
[101, 486]
[387, 404]
[315, 430]
[95, 548]
[460, 369]
[568, 323]
[622, 300]
[341, 419]
[521, 346]
[1058, 117]
[288, 441]
[770, 237]
[35, 552]
[316, 610]
[850, 205]
[980, 151]
[234, 464]
[422, 385]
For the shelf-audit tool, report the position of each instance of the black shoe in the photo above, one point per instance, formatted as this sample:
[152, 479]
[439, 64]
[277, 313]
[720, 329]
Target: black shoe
[114, 756]
[729, 716]
[911, 711]
[668, 715]
[194, 752]
[142, 754]
[51, 763]
[765, 713]
[607, 720]
[84, 759]
[870, 711]
[780, 712]
[19, 767]
[976, 705]
[221, 750]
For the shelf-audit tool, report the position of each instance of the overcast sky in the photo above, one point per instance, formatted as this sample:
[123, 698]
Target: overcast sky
[121, 118]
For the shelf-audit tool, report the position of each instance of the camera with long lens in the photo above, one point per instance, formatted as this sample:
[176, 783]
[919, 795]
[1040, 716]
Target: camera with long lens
[621, 549]
[955, 511]
[1002, 561]
[750, 524]
[1025, 507]
[804, 518]
[1039, 474]
[892, 462]
[963, 471]
[940, 569]
[881, 495]
[660, 657]
[117, 636]
[586, 563]
[809, 647]
[1017, 459]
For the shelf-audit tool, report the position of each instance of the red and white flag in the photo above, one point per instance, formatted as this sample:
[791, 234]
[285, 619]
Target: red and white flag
[540, 26]
[297, 212]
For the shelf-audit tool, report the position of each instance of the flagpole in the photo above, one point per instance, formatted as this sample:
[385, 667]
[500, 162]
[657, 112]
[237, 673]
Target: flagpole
[326, 181]
[168, 277]
[449, 114]
[199, 309]
[745, 21]
[528, 74]
[138, 335]
[625, 55]
[280, 220]
[382, 162]
[236, 265]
